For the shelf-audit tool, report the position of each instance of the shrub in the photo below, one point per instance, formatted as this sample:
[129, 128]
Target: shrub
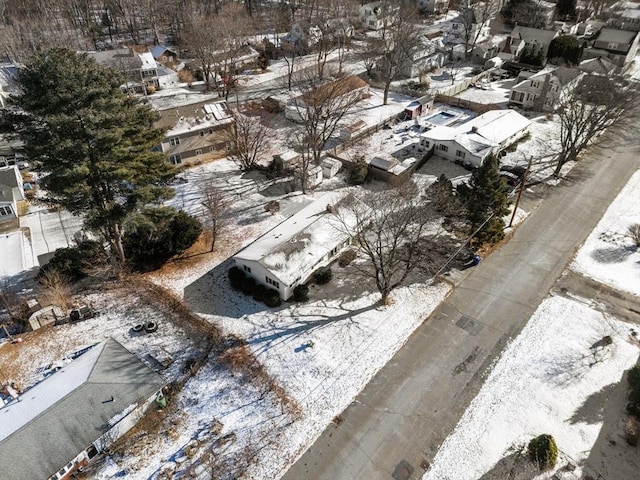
[347, 257]
[154, 235]
[634, 233]
[358, 173]
[259, 291]
[301, 293]
[72, 263]
[248, 285]
[236, 278]
[272, 298]
[544, 451]
[634, 378]
[323, 275]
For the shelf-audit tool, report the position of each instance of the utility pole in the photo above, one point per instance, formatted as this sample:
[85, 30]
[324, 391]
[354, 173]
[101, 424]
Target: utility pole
[520, 190]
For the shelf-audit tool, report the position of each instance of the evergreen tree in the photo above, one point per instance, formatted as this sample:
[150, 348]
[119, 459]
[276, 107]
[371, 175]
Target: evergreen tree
[92, 143]
[485, 196]
[565, 50]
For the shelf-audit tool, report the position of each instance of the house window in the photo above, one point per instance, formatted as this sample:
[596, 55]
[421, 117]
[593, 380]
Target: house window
[202, 134]
[199, 151]
[246, 269]
[443, 148]
[371, 23]
[210, 131]
[272, 282]
[460, 154]
[612, 46]
[427, 144]
[535, 84]
[175, 159]
[174, 141]
[5, 211]
[212, 149]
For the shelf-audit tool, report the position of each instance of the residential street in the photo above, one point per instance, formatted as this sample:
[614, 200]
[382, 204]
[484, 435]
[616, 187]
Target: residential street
[394, 427]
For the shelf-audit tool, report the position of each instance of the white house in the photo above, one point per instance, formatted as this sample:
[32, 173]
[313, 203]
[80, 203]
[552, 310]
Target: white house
[474, 140]
[373, 15]
[57, 426]
[287, 255]
[433, 6]
[11, 192]
[544, 90]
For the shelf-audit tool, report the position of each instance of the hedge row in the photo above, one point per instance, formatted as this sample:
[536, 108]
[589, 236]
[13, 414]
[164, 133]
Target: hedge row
[241, 282]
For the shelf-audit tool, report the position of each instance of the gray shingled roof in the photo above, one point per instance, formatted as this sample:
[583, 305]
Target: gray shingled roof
[44, 444]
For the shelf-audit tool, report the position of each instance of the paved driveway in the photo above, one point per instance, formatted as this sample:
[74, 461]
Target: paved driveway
[394, 427]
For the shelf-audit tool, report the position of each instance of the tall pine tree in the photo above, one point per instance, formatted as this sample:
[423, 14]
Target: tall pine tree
[485, 196]
[92, 143]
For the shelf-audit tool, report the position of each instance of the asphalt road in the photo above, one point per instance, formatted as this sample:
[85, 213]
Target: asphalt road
[394, 427]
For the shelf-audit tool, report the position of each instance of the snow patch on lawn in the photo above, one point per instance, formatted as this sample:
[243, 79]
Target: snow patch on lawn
[543, 383]
[609, 254]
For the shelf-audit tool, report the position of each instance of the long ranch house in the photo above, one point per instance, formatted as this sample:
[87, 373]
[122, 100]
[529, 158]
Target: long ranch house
[287, 256]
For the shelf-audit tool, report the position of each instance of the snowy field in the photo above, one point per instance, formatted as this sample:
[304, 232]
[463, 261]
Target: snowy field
[322, 352]
[609, 255]
[549, 380]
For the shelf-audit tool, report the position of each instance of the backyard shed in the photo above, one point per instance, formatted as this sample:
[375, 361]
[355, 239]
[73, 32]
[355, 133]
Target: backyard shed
[330, 167]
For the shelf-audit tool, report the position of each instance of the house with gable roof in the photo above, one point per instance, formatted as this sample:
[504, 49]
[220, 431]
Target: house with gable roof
[473, 141]
[521, 37]
[54, 428]
[289, 254]
[619, 46]
[196, 132]
[544, 90]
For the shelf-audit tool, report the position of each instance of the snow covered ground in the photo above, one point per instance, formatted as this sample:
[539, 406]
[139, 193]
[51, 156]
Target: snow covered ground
[558, 373]
[609, 254]
[549, 380]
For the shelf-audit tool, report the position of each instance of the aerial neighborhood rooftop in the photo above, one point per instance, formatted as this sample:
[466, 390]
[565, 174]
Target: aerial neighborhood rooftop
[252, 240]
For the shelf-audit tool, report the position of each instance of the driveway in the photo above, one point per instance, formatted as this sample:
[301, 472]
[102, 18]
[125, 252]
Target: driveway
[395, 426]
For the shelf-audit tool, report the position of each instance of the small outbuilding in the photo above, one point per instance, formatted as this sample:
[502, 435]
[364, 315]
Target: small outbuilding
[330, 167]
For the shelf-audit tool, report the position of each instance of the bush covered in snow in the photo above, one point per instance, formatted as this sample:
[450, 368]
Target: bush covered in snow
[543, 451]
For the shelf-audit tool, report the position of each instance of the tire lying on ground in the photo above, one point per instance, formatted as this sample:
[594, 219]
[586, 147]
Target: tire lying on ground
[137, 327]
[151, 326]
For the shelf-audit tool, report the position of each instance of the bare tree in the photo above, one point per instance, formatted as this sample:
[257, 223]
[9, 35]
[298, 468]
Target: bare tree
[399, 39]
[202, 37]
[57, 290]
[217, 210]
[597, 103]
[250, 139]
[320, 110]
[389, 228]
[475, 16]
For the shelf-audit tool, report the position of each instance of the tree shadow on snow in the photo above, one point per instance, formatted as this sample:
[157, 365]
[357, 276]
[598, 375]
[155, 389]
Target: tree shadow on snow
[592, 409]
[612, 254]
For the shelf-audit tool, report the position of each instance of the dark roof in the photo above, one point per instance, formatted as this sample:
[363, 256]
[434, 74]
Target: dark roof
[64, 414]
[531, 35]
[612, 35]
